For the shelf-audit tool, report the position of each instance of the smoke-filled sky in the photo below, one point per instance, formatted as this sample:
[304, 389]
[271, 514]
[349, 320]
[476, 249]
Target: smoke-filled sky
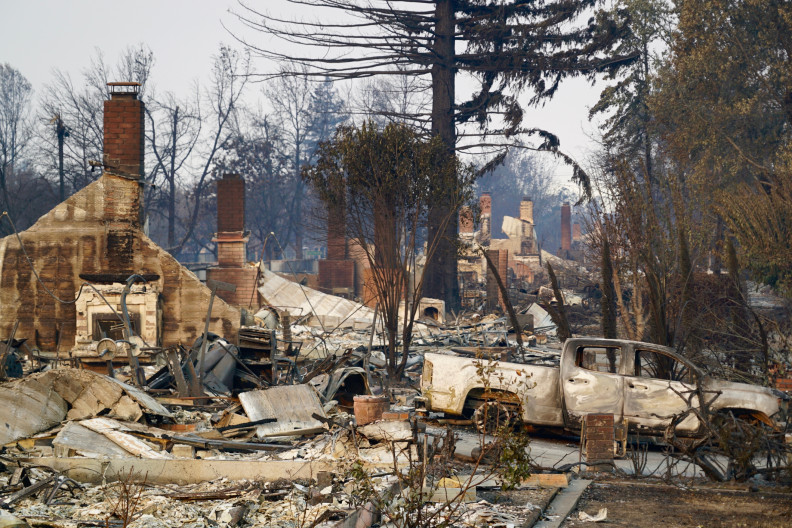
[40, 36]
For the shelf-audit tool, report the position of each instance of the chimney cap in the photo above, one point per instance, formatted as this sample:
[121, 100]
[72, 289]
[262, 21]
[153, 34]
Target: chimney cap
[124, 88]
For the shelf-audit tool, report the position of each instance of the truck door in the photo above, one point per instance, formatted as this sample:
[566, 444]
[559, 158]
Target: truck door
[661, 387]
[592, 383]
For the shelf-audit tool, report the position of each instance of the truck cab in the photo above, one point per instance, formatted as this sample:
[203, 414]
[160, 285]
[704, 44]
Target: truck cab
[645, 384]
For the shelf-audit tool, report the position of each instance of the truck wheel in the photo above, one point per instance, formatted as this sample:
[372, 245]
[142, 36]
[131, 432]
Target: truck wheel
[491, 416]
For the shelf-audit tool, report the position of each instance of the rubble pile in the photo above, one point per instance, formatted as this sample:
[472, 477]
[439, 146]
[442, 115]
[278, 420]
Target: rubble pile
[249, 431]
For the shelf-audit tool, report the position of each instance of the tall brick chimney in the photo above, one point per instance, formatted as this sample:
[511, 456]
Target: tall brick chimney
[231, 242]
[230, 238]
[336, 233]
[566, 227]
[123, 130]
[336, 272]
[485, 205]
[123, 158]
[526, 210]
[500, 259]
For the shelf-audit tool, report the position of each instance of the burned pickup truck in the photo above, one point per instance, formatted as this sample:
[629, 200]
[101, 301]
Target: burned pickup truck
[644, 384]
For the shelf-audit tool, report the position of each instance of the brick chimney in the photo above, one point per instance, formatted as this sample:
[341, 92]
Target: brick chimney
[576, 233]
[485, 205]
[566, 227]
[526, 210]
[123, 130]
[336, 272]
[231, 242]
[336, 233]
[500, 259]
[123, 156]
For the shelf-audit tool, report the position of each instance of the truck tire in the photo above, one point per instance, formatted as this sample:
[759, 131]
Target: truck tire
[491, 416]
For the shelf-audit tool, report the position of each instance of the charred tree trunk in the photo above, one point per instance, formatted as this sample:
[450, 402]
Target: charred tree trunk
[608, 294]
[441, 274]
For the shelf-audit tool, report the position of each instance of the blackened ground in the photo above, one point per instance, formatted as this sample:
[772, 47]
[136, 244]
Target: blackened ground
[640, 503]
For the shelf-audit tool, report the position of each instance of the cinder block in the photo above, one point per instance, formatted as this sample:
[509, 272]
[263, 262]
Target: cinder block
[183, 451]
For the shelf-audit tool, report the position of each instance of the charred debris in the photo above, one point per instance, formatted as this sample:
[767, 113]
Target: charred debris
[273, 425]
[133, 392]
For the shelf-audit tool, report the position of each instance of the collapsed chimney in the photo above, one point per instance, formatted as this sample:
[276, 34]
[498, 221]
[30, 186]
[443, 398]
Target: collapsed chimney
[566, 227]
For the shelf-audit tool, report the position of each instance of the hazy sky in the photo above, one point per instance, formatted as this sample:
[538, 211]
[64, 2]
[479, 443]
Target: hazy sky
[40, 36]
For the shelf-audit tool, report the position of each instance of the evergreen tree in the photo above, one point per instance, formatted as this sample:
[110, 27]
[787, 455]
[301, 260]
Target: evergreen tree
[628, 126]
[507, 47]
[327, 112]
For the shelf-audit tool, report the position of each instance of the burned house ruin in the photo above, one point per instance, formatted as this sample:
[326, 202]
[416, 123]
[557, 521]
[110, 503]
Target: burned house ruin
[95, 238]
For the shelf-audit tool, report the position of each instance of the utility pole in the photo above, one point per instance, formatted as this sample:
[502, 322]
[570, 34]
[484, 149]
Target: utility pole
[62, 132]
